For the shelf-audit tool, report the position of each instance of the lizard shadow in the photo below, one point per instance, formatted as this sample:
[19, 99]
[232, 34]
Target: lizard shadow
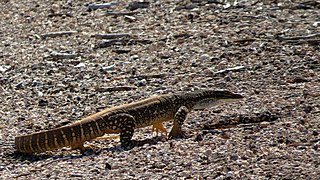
[31, 158]
[150, 141]
[53, 156]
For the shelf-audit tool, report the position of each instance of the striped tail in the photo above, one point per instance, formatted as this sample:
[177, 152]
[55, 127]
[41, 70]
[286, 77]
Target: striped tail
[73, 135]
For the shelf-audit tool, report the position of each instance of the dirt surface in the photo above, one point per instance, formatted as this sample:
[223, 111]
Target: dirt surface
[268, 51]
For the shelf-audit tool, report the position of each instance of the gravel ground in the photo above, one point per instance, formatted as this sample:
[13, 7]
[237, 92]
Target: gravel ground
[266, 50]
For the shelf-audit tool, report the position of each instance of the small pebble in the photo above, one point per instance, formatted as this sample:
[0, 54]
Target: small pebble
[134, 57]
[234, 157]
[264, 124]
[315, 132]
[204, 57]
[208, 72]
[80, 65]
[43, 102]
[109, 68]
[108, 166]
[229, 174]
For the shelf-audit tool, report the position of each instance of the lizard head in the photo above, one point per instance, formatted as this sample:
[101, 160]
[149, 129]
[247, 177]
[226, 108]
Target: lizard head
[210, 98]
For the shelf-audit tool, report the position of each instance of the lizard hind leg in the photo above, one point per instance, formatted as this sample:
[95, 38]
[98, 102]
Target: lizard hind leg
[126, 124]
[178, 120]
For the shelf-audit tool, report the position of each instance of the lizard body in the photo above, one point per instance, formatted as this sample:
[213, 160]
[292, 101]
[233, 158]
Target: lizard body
[124, 119]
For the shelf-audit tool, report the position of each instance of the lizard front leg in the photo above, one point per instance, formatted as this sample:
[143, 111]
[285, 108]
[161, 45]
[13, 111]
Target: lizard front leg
[178, 120]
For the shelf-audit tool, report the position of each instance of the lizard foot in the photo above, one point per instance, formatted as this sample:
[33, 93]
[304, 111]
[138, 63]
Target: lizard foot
[159, 127]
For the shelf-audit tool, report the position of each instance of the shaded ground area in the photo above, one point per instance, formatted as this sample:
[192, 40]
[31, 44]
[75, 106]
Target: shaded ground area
[268, 51]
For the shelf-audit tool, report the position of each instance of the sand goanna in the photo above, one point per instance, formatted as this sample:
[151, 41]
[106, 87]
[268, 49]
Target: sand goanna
[124, 120]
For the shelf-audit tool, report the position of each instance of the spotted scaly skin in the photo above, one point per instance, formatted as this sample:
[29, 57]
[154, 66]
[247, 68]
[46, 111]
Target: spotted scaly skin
[125, 119]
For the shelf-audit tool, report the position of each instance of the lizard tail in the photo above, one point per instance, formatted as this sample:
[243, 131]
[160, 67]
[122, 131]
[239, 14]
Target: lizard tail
[73, 135]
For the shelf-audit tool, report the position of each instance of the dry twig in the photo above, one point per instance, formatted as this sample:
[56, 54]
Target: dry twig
[122, 13]
[234, 69]
[58, 33]
[107, 43]
[229, 122]
[117, 88]
[112, 36]
[147, 76]
[311, 38]
[137, 5]
[101, 6]
[59, 55]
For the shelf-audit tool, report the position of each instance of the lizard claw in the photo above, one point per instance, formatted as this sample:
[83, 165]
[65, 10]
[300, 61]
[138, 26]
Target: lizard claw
[158, 127]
